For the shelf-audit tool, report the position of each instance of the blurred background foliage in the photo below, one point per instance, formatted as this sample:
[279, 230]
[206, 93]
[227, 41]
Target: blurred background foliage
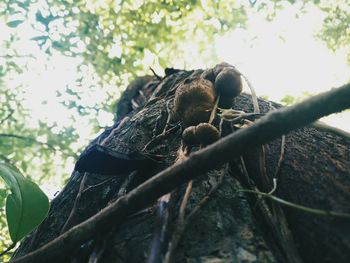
[105, 44]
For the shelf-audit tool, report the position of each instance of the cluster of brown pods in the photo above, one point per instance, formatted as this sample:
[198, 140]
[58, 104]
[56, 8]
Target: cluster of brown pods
[195, 98]
[202, 134]
[227, 82]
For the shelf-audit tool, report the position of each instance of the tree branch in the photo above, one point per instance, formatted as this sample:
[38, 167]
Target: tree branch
[24, 138]
[264, 130]
[7, 116]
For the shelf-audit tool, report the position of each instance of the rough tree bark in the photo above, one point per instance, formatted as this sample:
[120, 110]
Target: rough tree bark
[232, 226]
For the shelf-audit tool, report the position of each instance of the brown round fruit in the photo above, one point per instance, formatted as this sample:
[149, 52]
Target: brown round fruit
[219, 67]
[209, 75]
[189, 136]
[194, 101]
[228, 83]
[207, 133]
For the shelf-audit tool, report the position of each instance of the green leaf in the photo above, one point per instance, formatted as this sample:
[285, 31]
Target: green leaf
[15, 23]
[40, 38]
[26, 206]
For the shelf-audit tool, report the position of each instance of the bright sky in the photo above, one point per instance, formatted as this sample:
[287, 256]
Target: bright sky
[280, 57]
[284, 57]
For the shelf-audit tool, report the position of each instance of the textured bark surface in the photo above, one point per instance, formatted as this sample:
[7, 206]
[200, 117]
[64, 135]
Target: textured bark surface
[315, 173]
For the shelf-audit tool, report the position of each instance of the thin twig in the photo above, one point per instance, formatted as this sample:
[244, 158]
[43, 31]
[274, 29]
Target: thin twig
[205, 200]
[142, 95]
[163, 217]
[7, 249]
[270, 127]
[7, 116]
[325, 127]
[252, 90]
[97, 252]
[213, 111]
[162, 221]
[20, 137]
[155, 74]
[134, 104]
[18, 56]
[168, 110]
[97, 185]
[262, 167]
[235, 116]
[297, 206]
[106, 140]
[180, 227]
[158, 137]
[183, 224]
[274, 180]
[185, 201]
[72, 216]
[262, 157]
[278, 226]
[281, 158]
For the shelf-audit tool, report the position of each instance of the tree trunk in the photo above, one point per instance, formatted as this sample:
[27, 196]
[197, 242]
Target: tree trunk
[231, 226]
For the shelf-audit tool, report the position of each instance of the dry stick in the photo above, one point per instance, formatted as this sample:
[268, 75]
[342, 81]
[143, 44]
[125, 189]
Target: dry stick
[185, 201]
[72, 216]
[298, 206]
[165, 131]
[278, 213]
[168, 110]
[204, 201]
[274, 188]
[325, 127]
[97, 185]
[279, 231]
[142, 95]
[162, 221]
[155, 74]
[162, 206]
[235, 116]
[97, 252]
[106, 140]
[213, 111]
[252, 90]
[269, 127]
[283, 232]
[182, 223]
[281, 158]
[181, 218]
[261, 150]
[180, 227]
[8, 249]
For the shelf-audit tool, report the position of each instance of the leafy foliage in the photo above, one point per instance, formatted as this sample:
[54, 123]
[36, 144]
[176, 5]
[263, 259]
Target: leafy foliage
[290, 99]
[23, 144]
[335, 30]
[336, 27]
[26, 206]
[115, 36]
